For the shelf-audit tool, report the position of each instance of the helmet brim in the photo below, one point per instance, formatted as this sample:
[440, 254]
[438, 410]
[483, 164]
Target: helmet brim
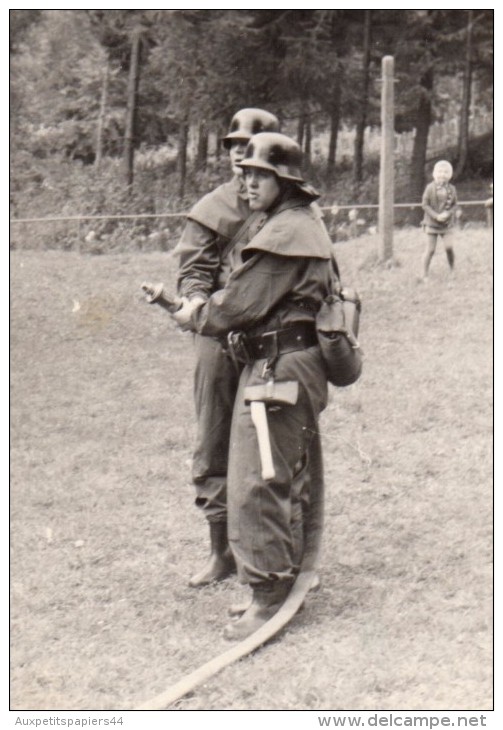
[276, 169]
[234, 137]
[309, 191]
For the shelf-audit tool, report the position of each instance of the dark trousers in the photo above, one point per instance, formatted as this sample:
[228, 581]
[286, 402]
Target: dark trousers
[215, 386]
[266, 518]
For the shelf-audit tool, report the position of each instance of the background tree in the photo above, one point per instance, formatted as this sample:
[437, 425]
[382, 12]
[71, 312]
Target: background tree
[464, 116]
[316, 69]
[473, 63]
[56, 75]
[361, 121]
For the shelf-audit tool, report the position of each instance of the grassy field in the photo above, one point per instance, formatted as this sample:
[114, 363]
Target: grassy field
[104, 531]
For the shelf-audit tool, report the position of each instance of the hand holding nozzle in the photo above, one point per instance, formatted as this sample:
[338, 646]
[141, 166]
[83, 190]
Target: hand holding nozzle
[155, 293]
[180, 308]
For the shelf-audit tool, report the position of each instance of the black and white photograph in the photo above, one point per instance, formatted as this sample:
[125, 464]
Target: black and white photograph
[251, 367]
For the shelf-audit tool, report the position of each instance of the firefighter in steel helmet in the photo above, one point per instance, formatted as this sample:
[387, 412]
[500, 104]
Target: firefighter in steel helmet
[207, 253]
[269, 306]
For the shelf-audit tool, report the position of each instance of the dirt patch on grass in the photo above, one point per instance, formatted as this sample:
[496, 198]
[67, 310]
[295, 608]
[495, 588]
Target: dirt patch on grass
[105, 534]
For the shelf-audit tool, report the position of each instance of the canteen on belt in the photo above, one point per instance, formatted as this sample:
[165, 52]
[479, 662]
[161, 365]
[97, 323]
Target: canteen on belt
[337, 326]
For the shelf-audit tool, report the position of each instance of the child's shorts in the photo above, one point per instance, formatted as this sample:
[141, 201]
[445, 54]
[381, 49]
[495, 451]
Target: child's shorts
[430, 230]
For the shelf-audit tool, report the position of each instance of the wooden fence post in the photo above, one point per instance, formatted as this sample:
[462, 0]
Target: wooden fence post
[386, 172]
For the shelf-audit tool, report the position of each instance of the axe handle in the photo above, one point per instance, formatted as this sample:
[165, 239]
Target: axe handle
[259, 418]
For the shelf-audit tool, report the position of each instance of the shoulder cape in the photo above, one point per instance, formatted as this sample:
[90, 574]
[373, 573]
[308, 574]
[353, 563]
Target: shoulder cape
[292, 232]
[223, 210]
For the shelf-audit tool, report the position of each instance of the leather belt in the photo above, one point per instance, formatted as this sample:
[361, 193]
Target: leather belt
[299, 336]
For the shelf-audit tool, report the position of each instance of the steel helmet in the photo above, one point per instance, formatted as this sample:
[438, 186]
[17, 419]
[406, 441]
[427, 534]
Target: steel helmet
[274, 152]
[247, 122]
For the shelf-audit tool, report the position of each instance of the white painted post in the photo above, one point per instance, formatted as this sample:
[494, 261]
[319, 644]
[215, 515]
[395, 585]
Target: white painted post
[386, 173]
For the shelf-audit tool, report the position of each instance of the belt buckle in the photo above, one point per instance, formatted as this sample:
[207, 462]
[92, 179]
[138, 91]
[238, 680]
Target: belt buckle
[274, 334]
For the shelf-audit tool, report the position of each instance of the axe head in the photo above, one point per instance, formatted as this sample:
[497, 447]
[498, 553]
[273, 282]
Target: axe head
[272, 392]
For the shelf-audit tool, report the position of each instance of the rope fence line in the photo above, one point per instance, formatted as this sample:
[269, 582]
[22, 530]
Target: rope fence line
[396, 205]
[97, 217]
[334, 208]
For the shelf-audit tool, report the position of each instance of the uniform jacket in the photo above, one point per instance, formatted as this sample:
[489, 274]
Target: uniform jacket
[211, 225]
[436, 201]
[284, 277]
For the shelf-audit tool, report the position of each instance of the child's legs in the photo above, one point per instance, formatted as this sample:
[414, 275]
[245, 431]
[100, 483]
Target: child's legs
[449, 251]
[430, 250]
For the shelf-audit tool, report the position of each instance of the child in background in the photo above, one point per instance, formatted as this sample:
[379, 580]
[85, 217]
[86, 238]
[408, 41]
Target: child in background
[439, 204]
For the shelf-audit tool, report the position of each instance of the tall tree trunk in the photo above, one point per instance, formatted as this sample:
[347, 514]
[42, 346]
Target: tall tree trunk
[301, 124]
[464, 117]
[101, 117]
[335, 117]
[134, 74]
[218, 142]
[183, 137]
[202, 147]
[423, 121]
[307, 138]
[362, 121]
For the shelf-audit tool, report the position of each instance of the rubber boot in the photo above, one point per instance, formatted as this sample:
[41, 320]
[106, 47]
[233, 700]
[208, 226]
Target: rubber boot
[267, 600]
[220, 563]
[238, 609]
